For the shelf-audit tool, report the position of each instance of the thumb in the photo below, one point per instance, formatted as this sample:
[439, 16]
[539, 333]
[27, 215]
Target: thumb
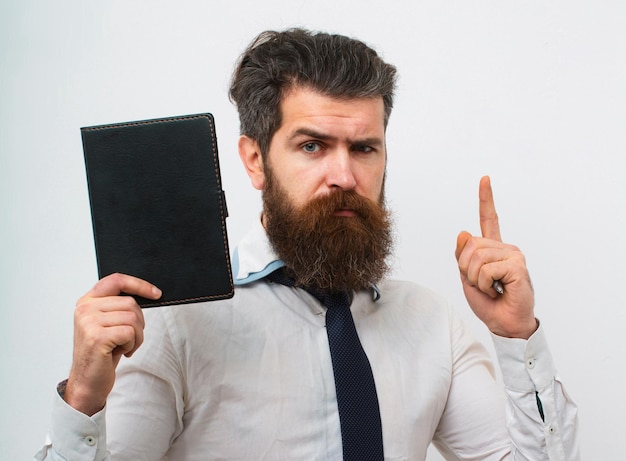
[461, 241]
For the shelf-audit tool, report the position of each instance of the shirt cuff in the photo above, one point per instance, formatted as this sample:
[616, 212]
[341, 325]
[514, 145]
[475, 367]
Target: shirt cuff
[526, 365]
[76, 436]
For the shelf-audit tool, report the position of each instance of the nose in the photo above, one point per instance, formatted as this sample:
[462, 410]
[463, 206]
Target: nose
[340, 171]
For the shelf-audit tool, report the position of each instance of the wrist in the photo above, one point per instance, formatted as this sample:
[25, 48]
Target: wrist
[80, 399]
[522, 331]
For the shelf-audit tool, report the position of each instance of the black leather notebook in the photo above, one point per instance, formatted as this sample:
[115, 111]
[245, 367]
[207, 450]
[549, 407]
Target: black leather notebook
[157, 206]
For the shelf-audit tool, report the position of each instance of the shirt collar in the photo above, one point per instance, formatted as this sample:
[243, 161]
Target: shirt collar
[254, 258]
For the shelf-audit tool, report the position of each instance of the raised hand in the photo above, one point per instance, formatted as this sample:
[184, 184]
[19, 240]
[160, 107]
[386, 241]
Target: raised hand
[483, 260]
[106, 326]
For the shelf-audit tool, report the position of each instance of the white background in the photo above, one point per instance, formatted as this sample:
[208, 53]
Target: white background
[532, 93]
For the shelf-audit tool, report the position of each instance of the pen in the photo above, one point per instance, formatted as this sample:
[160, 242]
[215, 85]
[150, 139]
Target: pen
[497, 285]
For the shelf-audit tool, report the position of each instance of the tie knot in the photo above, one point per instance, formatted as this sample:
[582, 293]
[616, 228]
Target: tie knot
[329, 299]
[337, 300]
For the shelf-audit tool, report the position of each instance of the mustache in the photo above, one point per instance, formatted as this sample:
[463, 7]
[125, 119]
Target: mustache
[343, 200]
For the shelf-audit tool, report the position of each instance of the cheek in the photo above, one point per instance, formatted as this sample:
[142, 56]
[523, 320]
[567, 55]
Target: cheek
[300, 186]
[372, 183]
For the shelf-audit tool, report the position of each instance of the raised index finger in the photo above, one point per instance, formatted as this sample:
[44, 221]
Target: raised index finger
[489, 226]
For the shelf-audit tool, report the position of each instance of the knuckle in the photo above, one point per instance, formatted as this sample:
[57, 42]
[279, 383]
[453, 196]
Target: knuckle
[127, 303]
[132, 318]
[83, 307]
[128, 332]
[115, 277]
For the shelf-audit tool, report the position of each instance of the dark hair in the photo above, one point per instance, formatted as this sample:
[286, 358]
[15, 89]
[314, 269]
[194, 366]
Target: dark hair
[333, 65]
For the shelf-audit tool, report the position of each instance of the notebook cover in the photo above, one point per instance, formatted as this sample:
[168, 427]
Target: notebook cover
[157, 206]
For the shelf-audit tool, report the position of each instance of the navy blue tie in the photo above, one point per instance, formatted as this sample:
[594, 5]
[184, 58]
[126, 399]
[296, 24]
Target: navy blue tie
[359, 413]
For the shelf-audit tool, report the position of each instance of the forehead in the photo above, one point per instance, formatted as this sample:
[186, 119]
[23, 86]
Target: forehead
[305, 106]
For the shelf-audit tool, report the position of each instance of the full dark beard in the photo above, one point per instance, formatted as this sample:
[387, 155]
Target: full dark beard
[325, 251]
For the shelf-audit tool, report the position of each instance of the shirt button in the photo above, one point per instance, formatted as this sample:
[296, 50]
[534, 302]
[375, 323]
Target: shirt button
[530, 363]
[551, 429]
[90, 440]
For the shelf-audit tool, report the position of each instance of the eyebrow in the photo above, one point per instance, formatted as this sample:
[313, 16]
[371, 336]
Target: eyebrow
[308, 132]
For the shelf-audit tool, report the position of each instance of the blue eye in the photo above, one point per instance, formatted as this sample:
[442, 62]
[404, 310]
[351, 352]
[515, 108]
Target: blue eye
[311, 147]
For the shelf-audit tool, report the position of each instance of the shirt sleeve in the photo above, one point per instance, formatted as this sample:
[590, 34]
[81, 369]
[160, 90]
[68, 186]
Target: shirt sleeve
[74, 435]
[143, 411]
[542, 419]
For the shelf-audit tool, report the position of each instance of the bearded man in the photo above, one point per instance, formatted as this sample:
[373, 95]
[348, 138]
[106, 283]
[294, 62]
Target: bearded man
[318, 355]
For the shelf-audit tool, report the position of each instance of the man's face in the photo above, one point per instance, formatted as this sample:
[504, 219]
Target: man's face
[322, 194]
[324, 144]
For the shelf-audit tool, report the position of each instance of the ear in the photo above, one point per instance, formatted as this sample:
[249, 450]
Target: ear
[252, 160]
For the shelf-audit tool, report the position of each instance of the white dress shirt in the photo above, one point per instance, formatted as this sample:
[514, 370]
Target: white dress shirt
[251, 378]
